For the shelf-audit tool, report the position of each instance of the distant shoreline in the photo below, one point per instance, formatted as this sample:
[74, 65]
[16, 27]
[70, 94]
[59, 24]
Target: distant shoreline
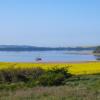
[19, 48]
[56, 62]
[82, 53]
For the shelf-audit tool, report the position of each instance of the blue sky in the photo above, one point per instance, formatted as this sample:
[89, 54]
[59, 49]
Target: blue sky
[50, 22]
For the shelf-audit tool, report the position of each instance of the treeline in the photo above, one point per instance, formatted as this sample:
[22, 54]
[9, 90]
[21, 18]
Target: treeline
[34, 48]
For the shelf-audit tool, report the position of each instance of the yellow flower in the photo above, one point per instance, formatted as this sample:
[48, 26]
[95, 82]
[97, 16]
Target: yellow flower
[73, 68]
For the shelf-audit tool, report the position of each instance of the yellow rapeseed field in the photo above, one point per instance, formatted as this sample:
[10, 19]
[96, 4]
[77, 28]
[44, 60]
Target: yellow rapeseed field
[73, 68]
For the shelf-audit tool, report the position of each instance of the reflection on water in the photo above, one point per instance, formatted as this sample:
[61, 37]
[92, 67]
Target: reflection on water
[97, 57]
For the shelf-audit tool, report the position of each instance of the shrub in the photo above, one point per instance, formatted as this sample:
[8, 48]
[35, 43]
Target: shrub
[56, 77]
[35, 76]
[50, 79]
[63, 70]
[19, 75]
[29, 74]
[7, 76]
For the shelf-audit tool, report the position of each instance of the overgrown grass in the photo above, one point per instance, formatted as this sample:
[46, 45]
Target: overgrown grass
[84, 87]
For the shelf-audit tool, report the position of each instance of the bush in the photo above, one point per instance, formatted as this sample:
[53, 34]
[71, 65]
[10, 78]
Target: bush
[56, 77]
[63, 70]
[7, 76]
[50, 79]
[35, 76]
[19, 75]
[29, 74]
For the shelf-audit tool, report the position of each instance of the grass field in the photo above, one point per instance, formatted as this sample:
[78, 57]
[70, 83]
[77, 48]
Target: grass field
[82, 87]
[73, 68]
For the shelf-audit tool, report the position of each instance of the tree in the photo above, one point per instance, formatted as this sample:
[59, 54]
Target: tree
[97, 50]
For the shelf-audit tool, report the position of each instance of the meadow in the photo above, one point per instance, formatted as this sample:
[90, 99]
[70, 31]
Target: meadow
[50, 81]
[82, 87]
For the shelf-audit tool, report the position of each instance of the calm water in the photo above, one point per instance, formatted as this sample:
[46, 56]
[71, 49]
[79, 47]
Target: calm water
[45, 55]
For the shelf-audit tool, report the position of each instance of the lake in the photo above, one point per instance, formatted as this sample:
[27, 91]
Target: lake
[47, 56]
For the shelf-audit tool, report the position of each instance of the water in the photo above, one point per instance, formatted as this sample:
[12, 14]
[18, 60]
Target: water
[46, 56]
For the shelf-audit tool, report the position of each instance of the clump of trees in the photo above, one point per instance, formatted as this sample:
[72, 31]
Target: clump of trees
[97, 50]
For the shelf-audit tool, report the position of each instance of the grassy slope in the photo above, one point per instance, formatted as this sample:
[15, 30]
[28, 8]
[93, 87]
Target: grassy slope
[85, 87]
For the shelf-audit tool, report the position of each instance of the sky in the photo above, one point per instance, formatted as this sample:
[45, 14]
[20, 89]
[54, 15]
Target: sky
[50, 22]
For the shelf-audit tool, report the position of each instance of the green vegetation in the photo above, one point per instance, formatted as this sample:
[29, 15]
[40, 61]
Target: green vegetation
[97, 50]
[56, 83]
[84, 87]
[55, 76]
[34, 77]
[97, 53]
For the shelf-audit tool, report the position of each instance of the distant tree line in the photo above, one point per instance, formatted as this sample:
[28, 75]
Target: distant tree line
[33, 48]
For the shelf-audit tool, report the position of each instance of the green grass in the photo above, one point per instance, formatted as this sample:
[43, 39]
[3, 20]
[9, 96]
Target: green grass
[83, 87]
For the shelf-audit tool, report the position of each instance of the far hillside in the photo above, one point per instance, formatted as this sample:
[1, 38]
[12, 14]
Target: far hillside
[34, 48]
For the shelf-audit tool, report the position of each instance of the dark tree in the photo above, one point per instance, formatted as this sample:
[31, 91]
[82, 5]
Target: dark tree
[97, 50]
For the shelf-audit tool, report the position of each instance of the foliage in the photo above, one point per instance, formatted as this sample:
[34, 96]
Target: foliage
[83, 87]
[35, 76]
[55, 76]
[17, 75]
[97, 50]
